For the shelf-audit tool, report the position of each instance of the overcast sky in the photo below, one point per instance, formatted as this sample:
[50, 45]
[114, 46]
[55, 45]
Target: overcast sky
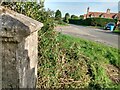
[79, 7]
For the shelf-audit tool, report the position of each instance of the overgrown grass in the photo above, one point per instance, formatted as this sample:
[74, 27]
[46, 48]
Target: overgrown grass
[93, 50]
[70, 62]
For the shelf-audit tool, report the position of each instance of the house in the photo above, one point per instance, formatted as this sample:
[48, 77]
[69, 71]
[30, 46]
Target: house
[118, 23]
[106, 14]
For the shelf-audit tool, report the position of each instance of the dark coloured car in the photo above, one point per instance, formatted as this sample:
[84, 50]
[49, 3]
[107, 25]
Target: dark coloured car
[108, 26]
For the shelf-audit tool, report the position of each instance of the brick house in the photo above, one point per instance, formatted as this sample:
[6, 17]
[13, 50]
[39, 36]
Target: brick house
[106, 14]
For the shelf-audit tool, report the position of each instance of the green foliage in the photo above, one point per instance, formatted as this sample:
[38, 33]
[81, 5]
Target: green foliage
[92, 21]
[65, 61]
[68, 62]
[81, 17]
[96, 59]
[60, 22]
[58, 15]
[66, 19]
[60, 67]
[31, 9]
[74, 17]
[58, 18]
[117, 31]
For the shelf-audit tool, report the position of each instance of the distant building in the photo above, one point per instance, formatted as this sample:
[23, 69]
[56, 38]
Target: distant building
[106, 14]
[118, 23]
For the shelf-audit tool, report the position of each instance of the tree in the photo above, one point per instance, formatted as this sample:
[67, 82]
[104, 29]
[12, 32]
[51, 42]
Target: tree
[58, 15]
[81, 17]
[67, 16]
[51, 13]
[74, 17]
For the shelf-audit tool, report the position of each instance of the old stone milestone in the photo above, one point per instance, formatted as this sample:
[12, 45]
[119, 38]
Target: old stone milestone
[18, 50]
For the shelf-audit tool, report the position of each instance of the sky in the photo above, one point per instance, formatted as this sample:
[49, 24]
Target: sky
[83, 0]
[79, 7]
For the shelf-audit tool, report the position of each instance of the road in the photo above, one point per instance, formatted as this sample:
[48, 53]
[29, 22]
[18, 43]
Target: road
[90, 33]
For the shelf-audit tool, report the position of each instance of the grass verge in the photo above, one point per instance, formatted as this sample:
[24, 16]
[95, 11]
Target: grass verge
[93, 50]
[70, 62]
[116, 31]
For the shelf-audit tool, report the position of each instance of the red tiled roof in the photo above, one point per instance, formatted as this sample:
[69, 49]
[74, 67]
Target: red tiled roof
[97, 14]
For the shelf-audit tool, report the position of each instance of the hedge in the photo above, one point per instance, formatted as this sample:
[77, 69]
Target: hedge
[92, 21]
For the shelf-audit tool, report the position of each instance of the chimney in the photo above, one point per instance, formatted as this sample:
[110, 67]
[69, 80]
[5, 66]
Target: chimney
[88, 10]
[108, 11]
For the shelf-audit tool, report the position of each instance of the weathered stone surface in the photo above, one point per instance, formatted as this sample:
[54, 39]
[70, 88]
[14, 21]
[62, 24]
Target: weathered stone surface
[0, 64]
[18, 50]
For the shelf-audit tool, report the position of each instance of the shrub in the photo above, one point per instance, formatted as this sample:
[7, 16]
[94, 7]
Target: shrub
[92, 21]
[74, 17]
[58, 15]
[66, 19]
[61, 63]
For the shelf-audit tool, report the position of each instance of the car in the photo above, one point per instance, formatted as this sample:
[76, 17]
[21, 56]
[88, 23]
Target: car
[108, 26]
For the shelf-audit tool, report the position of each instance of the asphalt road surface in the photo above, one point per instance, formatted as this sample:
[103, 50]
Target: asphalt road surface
[90, 33]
